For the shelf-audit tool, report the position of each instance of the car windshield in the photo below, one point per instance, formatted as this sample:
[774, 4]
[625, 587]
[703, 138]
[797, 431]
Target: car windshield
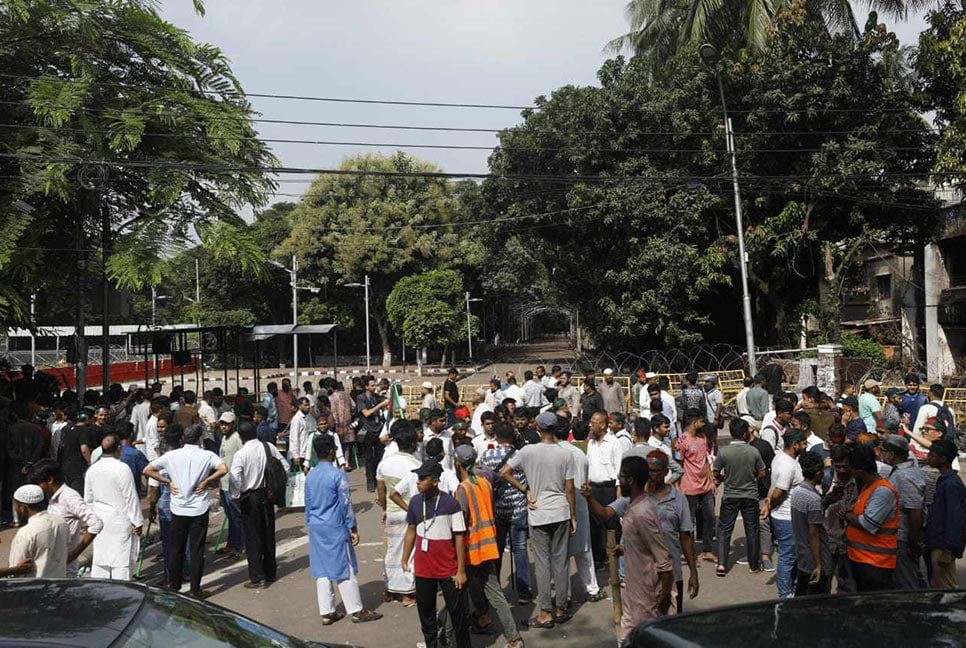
[166, 620]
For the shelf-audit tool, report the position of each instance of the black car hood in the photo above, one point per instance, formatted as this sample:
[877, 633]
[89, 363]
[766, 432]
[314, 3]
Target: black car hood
[81, 613]
[919, 618]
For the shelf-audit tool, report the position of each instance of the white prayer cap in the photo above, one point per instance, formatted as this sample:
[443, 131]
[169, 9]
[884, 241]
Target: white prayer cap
[29, 494]
[608, 372]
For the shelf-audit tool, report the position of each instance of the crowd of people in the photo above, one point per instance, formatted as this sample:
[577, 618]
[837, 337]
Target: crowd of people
[830, 488]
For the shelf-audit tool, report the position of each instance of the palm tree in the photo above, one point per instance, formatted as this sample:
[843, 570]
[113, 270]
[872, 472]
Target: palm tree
[661, 28]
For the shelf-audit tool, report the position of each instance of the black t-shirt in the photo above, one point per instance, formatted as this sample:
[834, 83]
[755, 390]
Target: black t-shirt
[72, 461]
[773, 378]
[767, 455]
[25, 443]
[531, 436]
[450, 389]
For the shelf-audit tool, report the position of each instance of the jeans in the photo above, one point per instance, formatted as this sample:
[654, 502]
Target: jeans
[373, 450]
[517, 531]
[730, 507]
[456, 604]
[550, 543]
[706, 502]
[784, 578]
[236, 527]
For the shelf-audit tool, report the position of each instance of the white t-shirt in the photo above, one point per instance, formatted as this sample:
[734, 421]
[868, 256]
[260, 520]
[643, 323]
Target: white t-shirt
[786, 474]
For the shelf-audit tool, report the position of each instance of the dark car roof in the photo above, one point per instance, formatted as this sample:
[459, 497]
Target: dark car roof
[86, 613]
[933, 618]
[82, 613]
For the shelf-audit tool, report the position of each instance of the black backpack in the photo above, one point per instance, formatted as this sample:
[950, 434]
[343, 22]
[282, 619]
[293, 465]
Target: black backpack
[944, 414]
[275, 479]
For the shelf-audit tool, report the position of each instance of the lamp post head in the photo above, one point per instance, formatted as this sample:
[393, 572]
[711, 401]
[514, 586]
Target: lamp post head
[709, 54]
[354, 284]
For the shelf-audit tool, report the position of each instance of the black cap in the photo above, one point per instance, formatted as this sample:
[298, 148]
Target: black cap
[430, 468]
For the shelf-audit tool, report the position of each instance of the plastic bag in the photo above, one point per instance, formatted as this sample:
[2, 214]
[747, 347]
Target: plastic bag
[295, 491]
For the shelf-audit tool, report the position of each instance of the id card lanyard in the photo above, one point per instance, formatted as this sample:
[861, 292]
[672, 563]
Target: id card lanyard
[427, 525]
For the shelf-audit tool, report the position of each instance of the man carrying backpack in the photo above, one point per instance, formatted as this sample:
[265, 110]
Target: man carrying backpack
[258, 487]
[936, 408]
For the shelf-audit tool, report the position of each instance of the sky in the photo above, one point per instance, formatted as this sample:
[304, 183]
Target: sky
[456, 51]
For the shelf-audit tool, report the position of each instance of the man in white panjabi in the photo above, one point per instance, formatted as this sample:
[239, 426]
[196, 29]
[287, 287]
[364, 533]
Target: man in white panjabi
[109, 489]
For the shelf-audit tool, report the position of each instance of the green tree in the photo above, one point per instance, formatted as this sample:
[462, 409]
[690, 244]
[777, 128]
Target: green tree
[428, 309]
[121, 133]
[941, 67]
[659, 29]
[830, 150]
[349, 226]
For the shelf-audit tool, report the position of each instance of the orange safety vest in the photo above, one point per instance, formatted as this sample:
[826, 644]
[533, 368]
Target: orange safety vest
[875, 549]
[477, 500]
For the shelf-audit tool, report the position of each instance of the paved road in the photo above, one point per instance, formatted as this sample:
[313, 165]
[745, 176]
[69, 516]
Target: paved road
[290, 604]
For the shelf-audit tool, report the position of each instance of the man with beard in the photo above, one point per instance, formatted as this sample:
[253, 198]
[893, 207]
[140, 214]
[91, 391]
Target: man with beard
[369, 407]
[786, 474]
[646, 592]
[612, 393]
[569, 393]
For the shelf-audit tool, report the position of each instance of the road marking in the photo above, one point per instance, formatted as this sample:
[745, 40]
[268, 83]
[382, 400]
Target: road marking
[283, 548]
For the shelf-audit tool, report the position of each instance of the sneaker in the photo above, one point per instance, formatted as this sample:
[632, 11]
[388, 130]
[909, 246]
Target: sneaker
[767, 565]
[599, 596]
[742, 561]
[524, 598]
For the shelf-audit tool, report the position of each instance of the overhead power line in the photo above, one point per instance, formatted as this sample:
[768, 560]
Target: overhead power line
[433, 104]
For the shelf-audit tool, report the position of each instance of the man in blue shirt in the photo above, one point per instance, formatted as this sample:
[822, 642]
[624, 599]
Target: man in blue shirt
[912, 400]
[944, 524]
[132, 457]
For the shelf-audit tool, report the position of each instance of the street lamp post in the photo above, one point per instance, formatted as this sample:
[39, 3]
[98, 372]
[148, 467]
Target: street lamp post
[366, 287]
[155, 297]
[710, 57]
[469, 328]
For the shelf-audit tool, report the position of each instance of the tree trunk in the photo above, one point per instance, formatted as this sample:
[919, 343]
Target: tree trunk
[382, 325]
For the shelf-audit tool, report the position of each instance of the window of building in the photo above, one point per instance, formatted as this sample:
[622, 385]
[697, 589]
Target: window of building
[883, 286]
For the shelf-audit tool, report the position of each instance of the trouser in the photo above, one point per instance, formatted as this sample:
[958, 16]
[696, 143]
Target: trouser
[586, 572]
[517, 531]
[236, 528]
[871, 579]
[679, 586]
[604, 493]
[943, 569]
[348, 590]
[785, 573]
[450, 416]
[764, 531]
[705, 503]
[456, 604]
[111, 573]
[842, 569]
[804, 588]
[373, 450]
[730, 507]
[165, 527]
[258, 515]
[485, 593]
[909, 574]
[188, 531]
[347, 448]
[550, 557]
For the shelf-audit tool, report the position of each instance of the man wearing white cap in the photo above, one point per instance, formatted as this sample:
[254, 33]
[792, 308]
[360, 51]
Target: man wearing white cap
[39, 549]
[301, 426]
[231, 443]
[612, 393]
[429, 396]
[870, 409]
[109, 487]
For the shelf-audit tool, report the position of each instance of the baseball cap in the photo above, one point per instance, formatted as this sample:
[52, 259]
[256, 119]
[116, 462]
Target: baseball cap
[227, 417]
[546, 420]
[429, 468]
[616, 417]
[435, 414]
[887, 427]
[465, 455]
[460, 425]
[945, 449]
[936, 424]
[461, 412]
[650, 374]
[892, 392]
[427, 385]
[870, 383]
[29, 494]
[557, 404]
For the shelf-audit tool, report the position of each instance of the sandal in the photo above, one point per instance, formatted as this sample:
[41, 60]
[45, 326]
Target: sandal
[481, 630]
[329, 619]
[721, 571]
[408, 601]
[562, 618]
[365, 616]
[514, 644]
[536, 623]
[599, 596]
